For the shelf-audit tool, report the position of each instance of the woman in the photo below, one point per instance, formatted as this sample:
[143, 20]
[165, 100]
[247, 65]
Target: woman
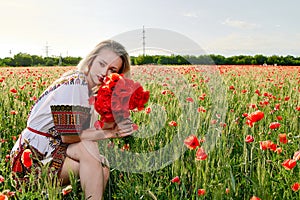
[58, 127]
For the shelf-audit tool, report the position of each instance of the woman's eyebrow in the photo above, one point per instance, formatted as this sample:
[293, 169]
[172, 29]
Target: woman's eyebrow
[102, 62]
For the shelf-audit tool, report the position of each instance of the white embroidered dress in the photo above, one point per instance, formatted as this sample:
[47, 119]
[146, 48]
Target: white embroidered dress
[68, 99]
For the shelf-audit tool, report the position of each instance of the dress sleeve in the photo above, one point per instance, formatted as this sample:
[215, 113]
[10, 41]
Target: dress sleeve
[70, 108]
[70, 120]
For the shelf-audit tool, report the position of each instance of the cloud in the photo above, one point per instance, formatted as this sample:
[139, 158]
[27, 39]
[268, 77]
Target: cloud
[240, 24]
[191, 14]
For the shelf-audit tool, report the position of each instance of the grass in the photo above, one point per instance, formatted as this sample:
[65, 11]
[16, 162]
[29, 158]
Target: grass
[157, 153]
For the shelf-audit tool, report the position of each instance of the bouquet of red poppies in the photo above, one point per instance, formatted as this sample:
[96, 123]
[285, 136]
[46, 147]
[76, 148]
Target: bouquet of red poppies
[118, 95]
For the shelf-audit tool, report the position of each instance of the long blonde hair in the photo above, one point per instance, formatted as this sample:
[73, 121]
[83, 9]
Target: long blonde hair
[85, 64]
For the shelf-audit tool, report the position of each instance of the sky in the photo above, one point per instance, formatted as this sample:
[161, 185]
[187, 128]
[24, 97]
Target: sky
[74, 27]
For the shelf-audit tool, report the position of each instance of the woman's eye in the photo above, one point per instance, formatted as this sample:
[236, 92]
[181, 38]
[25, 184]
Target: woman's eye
[101, 64]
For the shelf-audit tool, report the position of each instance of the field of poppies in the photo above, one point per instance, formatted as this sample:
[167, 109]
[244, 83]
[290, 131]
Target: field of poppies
[207, 132]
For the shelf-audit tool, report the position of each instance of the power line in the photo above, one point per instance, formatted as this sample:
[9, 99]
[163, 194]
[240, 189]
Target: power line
[47, 49]
[144, 43]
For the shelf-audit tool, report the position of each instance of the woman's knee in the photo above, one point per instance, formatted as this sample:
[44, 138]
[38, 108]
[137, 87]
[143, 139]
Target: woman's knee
[83, 150]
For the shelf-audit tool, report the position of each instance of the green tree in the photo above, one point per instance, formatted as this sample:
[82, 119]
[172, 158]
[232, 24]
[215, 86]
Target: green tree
[49, 61]
[218, 59]
[260, 59]
[23, 59]
[8, 61]
[70, 61]
[37, 60]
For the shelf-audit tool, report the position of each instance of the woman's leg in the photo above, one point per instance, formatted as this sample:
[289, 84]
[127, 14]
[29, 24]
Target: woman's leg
[90, 168]
[69, 165]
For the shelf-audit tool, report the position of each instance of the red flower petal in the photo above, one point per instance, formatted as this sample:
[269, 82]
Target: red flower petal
[26, 158]
[176, 179]
[191, 142]
[201, 154]
[289, 164]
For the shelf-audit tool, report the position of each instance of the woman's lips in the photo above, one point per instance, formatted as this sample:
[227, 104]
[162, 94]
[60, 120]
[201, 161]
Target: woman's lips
[100, 78]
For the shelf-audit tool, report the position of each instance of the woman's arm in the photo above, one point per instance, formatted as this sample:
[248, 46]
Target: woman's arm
[70, 139]
[122, 129]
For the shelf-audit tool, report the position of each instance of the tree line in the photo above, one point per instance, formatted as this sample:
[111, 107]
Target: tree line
[24, 59]
[216, 59]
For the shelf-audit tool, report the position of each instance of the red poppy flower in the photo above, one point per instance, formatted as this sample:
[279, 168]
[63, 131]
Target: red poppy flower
[1, 179]
[201, 109]
[282, 138]
[264, 145]
[201, 192]
[231, 87]
[13, 112]
[190, 99]
[295, 187]
[258, 92]
[176, 179]
[273, 146]
[191, 142]
[202, 98]
[3, 197]
[165, 92]
[125, 147]
[277, 106]
[278, 150]
[227, 190]
[252, 106]
[279, 118]
[26, 158]
[148, 110]
[213, 121]
[67, 190]
[274, 125]
[172, 123]
[298, 108]
[289, 164]
[249, 139]
[249, 123]
[255, 198]
[296, 155]
[117, 96]
[256, 116]
[287, 98]
[13, 90]
[34, 98]
[245, 114]
[200, 154]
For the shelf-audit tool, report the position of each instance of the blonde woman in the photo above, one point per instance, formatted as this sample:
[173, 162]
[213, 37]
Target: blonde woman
[59, 127]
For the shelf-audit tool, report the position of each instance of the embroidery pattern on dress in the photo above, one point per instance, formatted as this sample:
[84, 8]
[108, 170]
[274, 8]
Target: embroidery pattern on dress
[69, 120]
[56, 139]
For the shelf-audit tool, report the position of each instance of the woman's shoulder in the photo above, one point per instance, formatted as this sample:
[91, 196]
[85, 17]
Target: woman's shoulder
[73, 77]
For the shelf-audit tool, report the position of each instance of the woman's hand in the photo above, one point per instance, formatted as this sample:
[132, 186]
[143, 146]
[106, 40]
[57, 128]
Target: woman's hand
[123, 129]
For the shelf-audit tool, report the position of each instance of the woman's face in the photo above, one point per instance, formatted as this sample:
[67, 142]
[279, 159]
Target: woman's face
[104, 64]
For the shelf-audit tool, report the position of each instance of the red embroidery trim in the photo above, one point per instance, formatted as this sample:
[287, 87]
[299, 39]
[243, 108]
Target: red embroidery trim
[39, 132]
